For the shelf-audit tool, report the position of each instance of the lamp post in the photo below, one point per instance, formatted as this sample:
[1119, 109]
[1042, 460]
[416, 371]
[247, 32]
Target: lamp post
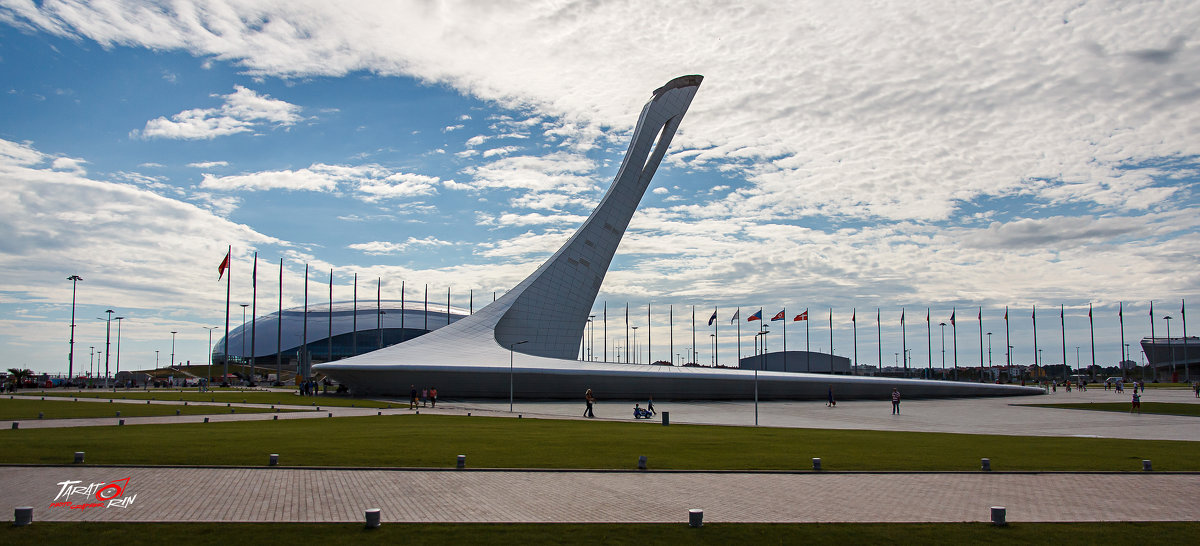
[243, 336]
[1009, 360]
[107, 342]
[989, 355]
[156, 355]
[510, 373]
[1169, 347]
[714, 349]
[761, 356]
[71, 354]
[943, 325]
[210, 330]
[118, 369]
[91, 354]
[1077, 359]
[635, 347]
[173, 332]
[591, 322]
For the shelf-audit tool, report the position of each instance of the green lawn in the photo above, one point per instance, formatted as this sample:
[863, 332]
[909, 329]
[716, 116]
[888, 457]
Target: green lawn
[223, 395]
[27, 410]
[1163, 408]
[411, 440]
[224, 534]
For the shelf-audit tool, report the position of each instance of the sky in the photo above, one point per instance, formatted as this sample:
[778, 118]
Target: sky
[959, 157]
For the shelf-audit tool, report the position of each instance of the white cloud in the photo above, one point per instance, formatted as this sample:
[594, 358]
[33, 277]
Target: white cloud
[369, 182]
[558, 171]
[450, 128]
[244, 111]
[208, 164]
[505, 150]
[660, 191]
[384, 247]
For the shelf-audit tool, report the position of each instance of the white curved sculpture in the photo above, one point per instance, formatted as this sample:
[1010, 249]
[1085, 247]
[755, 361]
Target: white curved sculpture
[525, 342]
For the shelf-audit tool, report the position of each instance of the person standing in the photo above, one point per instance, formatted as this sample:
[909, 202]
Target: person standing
[433, 397]
[412, 396]
[587, 397]
[831, 403]
[895, 401]
[424, 396]
[1136, 403]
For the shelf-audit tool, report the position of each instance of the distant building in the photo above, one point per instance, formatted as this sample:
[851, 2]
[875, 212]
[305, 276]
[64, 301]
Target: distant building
[1173, 358]
[797, 361]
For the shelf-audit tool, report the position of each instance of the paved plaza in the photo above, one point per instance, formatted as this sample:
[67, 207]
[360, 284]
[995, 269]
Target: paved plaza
[331, 495]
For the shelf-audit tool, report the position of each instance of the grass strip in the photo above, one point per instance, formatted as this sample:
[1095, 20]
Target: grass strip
[224, 534]
[1159, 408]
[28, 410]
[411, 440]
[225, 396]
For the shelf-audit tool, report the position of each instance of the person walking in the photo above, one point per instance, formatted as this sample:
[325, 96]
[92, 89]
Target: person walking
[831, 403]
[895, 401]
[412, 396]
[433, 397]
[424, 396]
[650, 406]
[587, 397]
[1136, 404]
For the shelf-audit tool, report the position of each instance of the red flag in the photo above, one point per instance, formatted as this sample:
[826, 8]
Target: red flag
[224, 265]
[801, 316]
[778, 316]
[854, 316]
[902, 316]
[952, 313]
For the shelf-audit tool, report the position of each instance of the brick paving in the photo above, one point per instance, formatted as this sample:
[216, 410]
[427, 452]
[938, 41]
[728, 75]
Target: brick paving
[322, 495]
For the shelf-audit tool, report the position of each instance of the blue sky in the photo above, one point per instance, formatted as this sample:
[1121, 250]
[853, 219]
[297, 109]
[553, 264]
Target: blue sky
[937, 155]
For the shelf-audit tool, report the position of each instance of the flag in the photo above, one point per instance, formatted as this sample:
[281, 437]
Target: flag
[854, 316]
[801, 316]
[1152, 310]
[902, 316]
[756, 316]
[736, 314]
[1005, 313]
[1121, 311]
[778, 316]
[980, 317]
[927, 315]
[1089, 311]
[712, 318]
[952, 318]
[224, 265]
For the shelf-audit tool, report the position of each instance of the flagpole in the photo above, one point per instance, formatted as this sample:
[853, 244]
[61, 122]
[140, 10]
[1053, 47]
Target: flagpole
[716, 338]
[980, 318]
[695, 360]
[671, 319]
[1035, 345]
[1121, 317]
[279, 330]
[426, 327]
[228, 285]
[1007, 346]
[253, 315]
[737, 315]
[1187, 370]
[304, 329]
[854, 326]
[928, 345]
[807, 346]
[785, 321]
[649, 346]
[403, 312]
[329, 342]
[954, 335]
[606, 331]
[379, 310]
[1092, 331]
[1153, 343]
[1062, 319]
[904, 342]
[879, 341]
[354, 325]
[830, 340]
[627, 332]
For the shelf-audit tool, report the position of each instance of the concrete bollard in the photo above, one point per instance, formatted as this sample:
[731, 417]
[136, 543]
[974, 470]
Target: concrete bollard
[468, 414]
[985, 464]
[227, 404]
[816, 463]
[379, 413]
[330, 414]
[16, 425]
[462, 462]
[518, 415]
[372, 516]
[274, 459]
[121, 423]
[185, 403]
[274, 417]
[1146, 465]
[695, 517]
[206, 419]
[998, 513]
[666, 418]
[642, 462]
[78, 457]
[22, 516]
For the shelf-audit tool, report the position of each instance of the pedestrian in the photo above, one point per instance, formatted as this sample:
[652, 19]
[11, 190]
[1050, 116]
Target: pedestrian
[831, 403]
[587, 397]
[895, 401]
[433, 397]
[424, 396]
[1196, 387]
[650, 406]
[412, 399]
[1136, 403]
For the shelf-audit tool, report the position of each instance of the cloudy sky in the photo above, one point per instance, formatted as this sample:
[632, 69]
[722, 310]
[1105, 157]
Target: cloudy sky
[847, 155]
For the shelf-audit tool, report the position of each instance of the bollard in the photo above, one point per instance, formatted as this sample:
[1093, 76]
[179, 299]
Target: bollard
[176, 412]
[462, 462]
[15, 425]
[318, 408]
[372, 518]
[695, 517]
[78, 457]
[468, 414]
[816, 463]
[272, 406]
[518, 415]
[227, 404]
[185, 403]
[998, 513]
[22, 516]
[41, 415]
[379, 413]
[206, 419]
[642, 462]
[147, 402]
[274, 459]
[1146, 465]
[666, 418]
[121, 423]
[331, 414]
[985, 465]
[274, 417]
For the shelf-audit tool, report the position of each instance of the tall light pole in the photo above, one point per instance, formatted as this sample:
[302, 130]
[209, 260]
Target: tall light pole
[591, 323]
[71, 354]
[989, 354]
[118, 319]
[243, 336]
[510, 373]
[91, 354]
[943, 325]
[1077, 359]
[1169, 347]
[210, 330]
[714, 349]
[156, 357]
[107, 342]
[635, 347]
[173, 332]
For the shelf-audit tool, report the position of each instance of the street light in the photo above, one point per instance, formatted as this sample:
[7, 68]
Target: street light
[510, 373]
[943, 325]
[989, 356]
[243, 336]
[210, 330]
[107, 342]
[1169, 346]
[591, 322]
[635, 347]
[714, 349]
[761, 355]
[173, 332]
[71, 355]
[156, 358]
[91, 354]
[1077, 359]
[118, 319]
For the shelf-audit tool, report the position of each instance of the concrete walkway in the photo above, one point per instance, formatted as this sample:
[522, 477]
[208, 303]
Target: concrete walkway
[306, 495]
